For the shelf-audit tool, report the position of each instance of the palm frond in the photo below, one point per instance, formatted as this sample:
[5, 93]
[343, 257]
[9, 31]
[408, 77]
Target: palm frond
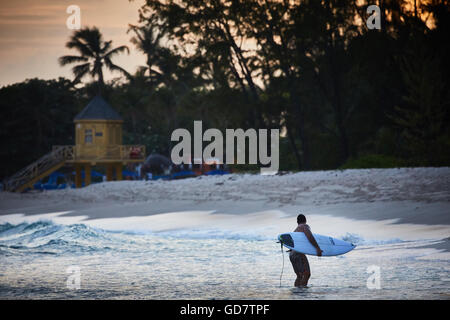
[64, 60]
[92, 38]
[80, 46]
[80, 71]
[113, 67]
[106, 47]
[116, 51]
[87, 41]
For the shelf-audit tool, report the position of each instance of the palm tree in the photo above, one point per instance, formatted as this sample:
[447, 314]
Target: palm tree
[148, 40]
[95, 53]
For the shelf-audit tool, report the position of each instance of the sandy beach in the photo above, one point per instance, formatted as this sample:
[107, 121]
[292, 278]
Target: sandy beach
[411, 195]
[147, 230]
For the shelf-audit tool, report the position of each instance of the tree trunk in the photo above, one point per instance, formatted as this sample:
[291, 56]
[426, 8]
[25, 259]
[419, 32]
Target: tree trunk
[299, 112]
[294, 147]
[100, 81]
[339, 119]
[305, 143]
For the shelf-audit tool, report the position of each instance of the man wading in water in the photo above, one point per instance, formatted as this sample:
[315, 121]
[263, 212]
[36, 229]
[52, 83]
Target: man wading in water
[299, 260]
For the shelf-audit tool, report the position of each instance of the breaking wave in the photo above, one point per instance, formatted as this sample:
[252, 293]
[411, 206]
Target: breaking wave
[46, 237]
[359, 240]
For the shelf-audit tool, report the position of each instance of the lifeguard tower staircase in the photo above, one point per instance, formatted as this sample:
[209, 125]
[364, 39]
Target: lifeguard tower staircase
[98, 131]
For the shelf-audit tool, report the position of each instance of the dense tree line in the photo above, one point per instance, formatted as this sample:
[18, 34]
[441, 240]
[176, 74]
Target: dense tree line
[341, 94]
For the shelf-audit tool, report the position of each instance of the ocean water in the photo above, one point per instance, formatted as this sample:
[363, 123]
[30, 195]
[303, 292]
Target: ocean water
[38, 260]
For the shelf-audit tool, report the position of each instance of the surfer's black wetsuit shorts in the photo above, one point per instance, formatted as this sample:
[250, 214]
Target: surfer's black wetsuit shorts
[299, 262]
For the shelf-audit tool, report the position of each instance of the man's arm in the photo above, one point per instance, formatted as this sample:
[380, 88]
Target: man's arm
[313, 241]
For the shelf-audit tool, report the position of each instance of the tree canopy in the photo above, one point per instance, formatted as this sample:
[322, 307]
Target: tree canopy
[341, 94]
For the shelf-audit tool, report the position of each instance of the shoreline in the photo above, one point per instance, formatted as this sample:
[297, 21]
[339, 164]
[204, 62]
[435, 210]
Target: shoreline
[411, 195]
[409, 212]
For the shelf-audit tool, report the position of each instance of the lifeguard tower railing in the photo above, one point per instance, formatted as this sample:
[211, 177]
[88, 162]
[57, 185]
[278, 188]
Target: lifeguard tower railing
[61, 155]
[103, 154]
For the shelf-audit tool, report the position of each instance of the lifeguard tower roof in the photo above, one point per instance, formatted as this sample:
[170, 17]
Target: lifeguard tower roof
[98, 109]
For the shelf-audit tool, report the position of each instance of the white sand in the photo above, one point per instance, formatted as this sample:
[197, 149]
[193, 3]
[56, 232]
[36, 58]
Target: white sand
[377, 201]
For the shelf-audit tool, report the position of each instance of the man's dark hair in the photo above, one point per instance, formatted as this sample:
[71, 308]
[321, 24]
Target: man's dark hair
[301, 219]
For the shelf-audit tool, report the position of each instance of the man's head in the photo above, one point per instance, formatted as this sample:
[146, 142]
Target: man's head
[301, 219]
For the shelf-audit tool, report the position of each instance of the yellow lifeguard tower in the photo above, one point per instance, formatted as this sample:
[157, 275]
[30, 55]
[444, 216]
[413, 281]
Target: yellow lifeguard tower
[98, 142]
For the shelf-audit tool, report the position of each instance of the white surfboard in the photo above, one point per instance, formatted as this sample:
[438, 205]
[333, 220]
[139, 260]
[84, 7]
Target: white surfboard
[330, 246]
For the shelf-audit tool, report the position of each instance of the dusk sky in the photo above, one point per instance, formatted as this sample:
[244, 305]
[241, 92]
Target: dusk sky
[33, 35]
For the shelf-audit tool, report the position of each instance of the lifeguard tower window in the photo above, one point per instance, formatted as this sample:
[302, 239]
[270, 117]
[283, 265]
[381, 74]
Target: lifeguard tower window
[88, 136]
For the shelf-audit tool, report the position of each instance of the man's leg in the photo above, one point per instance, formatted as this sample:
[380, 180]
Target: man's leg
[306, 274]
[299, 268]
[298, 281]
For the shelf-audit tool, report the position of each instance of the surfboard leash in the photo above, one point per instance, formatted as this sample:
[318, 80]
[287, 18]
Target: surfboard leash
[282, 267]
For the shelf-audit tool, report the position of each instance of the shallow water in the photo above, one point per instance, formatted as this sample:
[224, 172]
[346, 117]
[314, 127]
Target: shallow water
[202, 264]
